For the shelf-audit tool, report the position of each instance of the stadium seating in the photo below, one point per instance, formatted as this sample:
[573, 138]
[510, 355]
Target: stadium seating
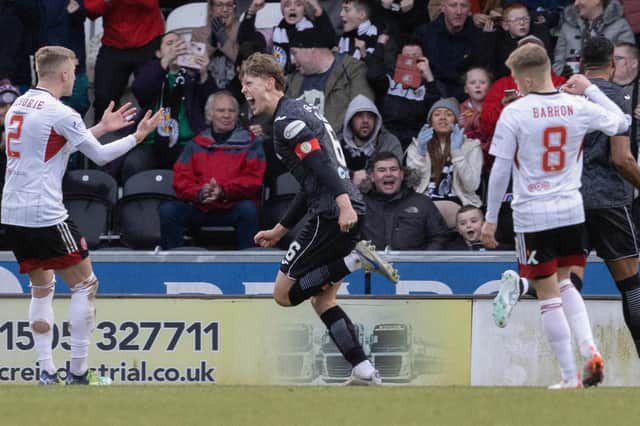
[138, 219]
[90, 197]
[276, 200]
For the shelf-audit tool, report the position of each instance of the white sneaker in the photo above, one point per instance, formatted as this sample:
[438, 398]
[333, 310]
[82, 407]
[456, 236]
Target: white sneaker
[571, 384]
[355, 380]
[507, 297]
[373, 262]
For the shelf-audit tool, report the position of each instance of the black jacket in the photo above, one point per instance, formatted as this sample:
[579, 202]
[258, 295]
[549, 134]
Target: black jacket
[404, 221]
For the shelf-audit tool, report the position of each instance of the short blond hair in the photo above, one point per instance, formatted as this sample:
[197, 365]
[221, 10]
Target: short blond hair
[263, 65]
[50, 58]
[530, 60]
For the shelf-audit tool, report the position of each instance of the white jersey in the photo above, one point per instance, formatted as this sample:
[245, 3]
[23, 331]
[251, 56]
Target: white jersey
[542, 134]
[41, 134]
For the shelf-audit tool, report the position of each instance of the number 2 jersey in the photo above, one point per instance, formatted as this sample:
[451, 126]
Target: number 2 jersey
[300, 132]
[542, 134]
[41, 134]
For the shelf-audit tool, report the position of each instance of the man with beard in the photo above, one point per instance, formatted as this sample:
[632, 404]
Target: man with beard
[363, 136]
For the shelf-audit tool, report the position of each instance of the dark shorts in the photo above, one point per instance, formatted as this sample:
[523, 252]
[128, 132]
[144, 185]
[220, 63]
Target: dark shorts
[53, 247]
[318, 243]
[540, 254]
[611, 233]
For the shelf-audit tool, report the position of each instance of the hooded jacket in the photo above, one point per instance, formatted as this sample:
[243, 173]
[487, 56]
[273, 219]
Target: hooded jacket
[380, 139]
[614, 27]
[238, 164]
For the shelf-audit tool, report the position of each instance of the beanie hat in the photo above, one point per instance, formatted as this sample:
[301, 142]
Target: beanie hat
[8, 92]
[448, 103]
[316, 36]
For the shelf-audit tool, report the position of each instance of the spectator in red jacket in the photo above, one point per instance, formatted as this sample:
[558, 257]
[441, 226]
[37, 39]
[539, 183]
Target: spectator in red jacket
[503, 91]
[132, 32]
[218, 178]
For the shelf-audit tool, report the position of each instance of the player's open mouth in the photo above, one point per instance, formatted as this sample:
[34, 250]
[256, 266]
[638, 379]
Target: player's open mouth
[250, 101]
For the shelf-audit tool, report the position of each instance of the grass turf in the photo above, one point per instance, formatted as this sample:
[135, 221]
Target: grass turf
[307, 405]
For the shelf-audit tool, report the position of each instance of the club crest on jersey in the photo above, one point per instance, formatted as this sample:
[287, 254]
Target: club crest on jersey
[293, 128]
[342, 172]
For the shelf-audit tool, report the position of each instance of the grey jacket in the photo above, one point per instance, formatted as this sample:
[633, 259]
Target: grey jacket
[380, 140]
[615, 28]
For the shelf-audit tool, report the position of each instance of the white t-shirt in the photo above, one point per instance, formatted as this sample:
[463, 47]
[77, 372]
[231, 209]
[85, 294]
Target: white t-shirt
[542, 134]
[41, 134]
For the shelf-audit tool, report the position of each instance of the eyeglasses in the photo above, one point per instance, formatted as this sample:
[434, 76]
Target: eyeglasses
[523, 19]
[224, 5]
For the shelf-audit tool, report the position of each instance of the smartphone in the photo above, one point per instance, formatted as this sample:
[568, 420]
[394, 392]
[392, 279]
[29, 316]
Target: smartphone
[407, 72]
[496, 19]
[188, 60]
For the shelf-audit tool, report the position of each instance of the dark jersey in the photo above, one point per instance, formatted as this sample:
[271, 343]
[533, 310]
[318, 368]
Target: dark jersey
[602, 185]
[307, 145]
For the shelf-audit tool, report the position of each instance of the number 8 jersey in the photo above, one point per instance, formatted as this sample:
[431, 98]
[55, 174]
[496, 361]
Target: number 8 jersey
[542, 134]
[299, 132]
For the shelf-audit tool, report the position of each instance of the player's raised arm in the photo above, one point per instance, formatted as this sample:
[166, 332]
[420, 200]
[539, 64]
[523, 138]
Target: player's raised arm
[607, 117]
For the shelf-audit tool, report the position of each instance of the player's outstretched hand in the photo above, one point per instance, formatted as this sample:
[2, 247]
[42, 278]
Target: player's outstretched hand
[147, 124]
[116, 120]
[488, 235]
[576, 85]
[270, 237]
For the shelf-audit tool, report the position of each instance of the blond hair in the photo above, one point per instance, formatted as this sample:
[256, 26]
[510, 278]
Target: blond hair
[50, 58]
[263, 65]
[530, 60]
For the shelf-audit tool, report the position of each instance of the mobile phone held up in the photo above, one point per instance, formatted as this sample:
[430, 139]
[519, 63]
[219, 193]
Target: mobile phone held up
[188, 60]
[407, 72]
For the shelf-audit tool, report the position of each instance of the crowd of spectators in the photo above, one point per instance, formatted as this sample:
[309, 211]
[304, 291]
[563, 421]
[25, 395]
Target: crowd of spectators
[412, 90]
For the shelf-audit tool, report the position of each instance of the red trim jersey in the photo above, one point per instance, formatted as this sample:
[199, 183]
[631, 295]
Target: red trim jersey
[41, 134]
[542, 134]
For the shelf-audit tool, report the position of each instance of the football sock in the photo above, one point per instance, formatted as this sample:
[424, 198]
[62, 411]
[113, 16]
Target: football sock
[630, 290]
[576, 281]
[556, 327]
[576, 314]
[352, 262]
[82, 317]
[315, 281]
[41, 313]
[343, 334]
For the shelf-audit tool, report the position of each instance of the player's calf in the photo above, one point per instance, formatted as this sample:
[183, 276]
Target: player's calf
[41, 318]
[82, 319]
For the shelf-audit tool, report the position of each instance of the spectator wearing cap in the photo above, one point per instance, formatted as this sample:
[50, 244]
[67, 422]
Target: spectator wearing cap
[8, 95]
[447, 163]
[132, 32]
[363, 136]
[324, 79]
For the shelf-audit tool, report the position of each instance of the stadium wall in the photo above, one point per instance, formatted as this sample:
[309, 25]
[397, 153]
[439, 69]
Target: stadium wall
[253, 272]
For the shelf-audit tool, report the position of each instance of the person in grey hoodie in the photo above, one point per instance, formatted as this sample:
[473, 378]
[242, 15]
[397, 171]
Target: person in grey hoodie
[586, 19]
[363, 136]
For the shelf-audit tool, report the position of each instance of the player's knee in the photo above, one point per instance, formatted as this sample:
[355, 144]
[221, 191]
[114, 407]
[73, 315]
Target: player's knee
[40, 326]
[282, 300]
[82, 307]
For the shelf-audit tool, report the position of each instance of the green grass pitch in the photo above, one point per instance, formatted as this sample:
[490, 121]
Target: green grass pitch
[307, 405]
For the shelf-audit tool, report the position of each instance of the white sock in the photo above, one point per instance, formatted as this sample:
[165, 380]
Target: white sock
[576, 313]
[364, 369]
[41, 309]
[556, 328]
[353, 262]
[79, 366]
[82, 317]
